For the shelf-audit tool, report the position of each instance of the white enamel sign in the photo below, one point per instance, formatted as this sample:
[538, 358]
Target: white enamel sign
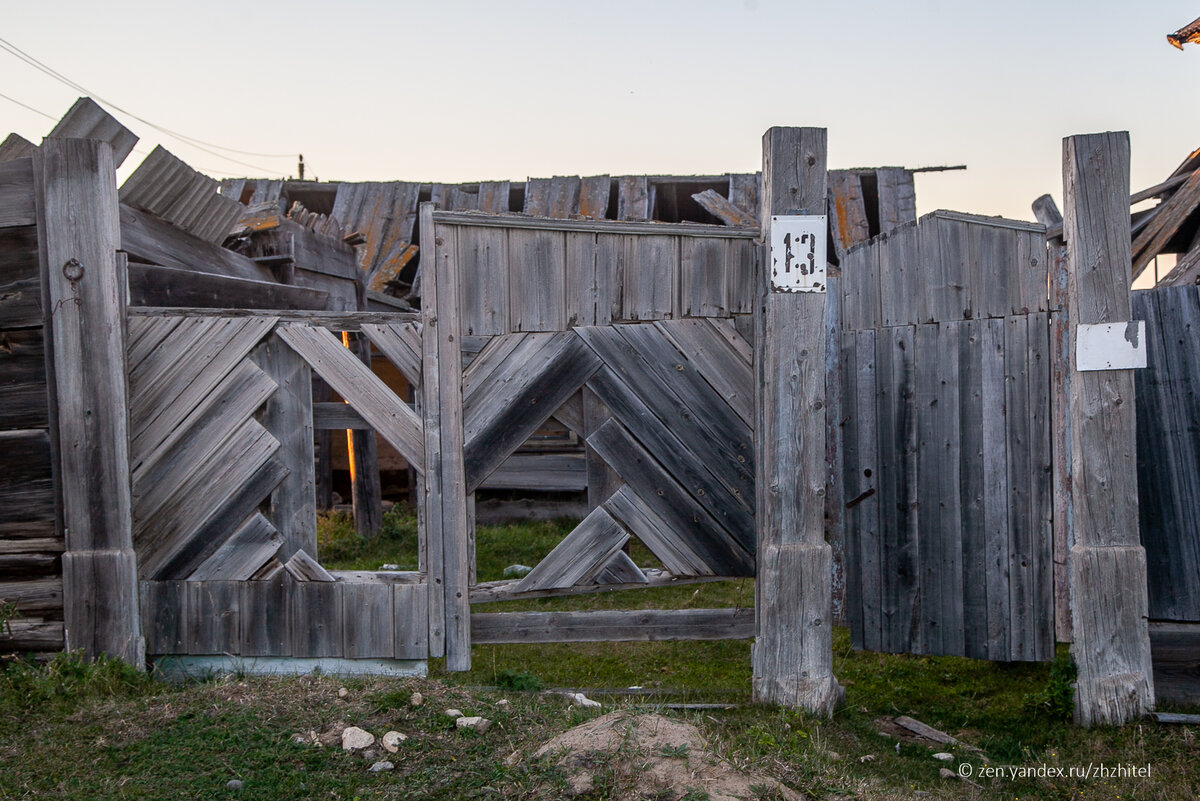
[798, 253]
[1110, 346]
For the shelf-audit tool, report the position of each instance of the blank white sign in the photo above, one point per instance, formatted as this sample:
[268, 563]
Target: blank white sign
[1110, 346]
[798, 253]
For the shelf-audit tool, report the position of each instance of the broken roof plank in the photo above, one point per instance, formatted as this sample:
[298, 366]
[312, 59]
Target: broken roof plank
[385, 213]
[743, 191]
[1188, 33]
[16, 146]
[635, 198]
[167, 188]
[594, 192]
[723, 210]
[1166, 223]
[494, 196]
[87, 120]
[897, 198]
[848, 211]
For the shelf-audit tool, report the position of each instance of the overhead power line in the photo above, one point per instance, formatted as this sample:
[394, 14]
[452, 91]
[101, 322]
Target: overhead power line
[199, 144]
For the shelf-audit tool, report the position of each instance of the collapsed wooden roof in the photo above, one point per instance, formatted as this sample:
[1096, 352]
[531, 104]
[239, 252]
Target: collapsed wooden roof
[1171, 226]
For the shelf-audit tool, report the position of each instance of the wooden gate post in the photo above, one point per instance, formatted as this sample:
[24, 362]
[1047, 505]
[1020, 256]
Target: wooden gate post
[1109, 602]
[793, 649]
[79, 234]
[446, 522]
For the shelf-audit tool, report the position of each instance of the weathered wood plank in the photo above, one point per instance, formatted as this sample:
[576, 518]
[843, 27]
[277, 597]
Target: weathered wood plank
[39, 595]
[77, 225]
[400, 344]
[847, 211]
[643, 625]
[483, 255]
[650, 277]
[995, 488]
[446, 519]
[1111, 645]
[214, 617]
[242, 555]
[725, 210]
[897, 198]
[27, 497]
[316, 618]
[368, 630]
[151, 285]
[728, 374]
[87, 120]
[20, 278]
[266, 624]
[410, 611]
[634, 201]
[971, 458]
[365, 391]
[674, 504]
[593, 196]
[288, 415]
[17, 206]
[583, 552]
[672, 549]
[165, 612]
[24, 402]
[536, 281]
[704, 276]
[528, 390]
[304, 567]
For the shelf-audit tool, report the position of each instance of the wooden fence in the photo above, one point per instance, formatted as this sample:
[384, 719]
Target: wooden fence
[1168, 432]
[946, 441]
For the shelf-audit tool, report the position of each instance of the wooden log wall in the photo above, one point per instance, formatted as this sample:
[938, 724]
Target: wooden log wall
[30, 545]
[1168, 447]
[947, 454]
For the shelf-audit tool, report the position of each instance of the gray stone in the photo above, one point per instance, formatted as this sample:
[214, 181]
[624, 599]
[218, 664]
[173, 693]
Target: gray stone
[474, 723]
[233, 784]
[944, 757]
[380, 767]
[356, 739]
[391, 741]
[517, 571]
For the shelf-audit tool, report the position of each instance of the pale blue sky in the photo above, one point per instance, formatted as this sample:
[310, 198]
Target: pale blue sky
[458, 91]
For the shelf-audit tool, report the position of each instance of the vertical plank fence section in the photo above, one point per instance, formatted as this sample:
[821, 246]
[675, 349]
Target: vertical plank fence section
[793, 650]
[1107, 564]
[79, 234]
[445, 477]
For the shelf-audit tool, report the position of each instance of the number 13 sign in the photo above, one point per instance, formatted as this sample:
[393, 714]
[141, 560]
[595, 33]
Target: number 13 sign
[798, 253]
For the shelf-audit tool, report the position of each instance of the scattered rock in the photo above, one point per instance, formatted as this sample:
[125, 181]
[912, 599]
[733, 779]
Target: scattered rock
[356, 739]
[416, 699]
[233, 784]
[867, 758]
[389, 566]
[581, 700]
[474, 722]
[391, 741]
[946, 773]
[517, 571]
[343, 693]
[453, 713]
[502, 703]
[944, 757]
[380, 767]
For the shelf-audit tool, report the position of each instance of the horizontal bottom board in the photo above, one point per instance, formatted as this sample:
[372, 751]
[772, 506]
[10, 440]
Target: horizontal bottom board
[190, 668]
[640, 625]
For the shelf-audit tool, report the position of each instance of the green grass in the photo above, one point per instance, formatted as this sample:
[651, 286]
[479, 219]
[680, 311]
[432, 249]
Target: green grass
[70, 730]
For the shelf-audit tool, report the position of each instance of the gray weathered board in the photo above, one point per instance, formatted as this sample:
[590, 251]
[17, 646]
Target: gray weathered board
[1168, 433]
[523, 275]
[946, 441]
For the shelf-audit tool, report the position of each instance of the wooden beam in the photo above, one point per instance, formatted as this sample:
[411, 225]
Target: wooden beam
[79, 233]
[1111, 642]
[335, 321]
[366, 492]
[1166, 223]
[446, 519]
[724, 210]
[639, 625]
[87, 120]
[151, 285]
[793, 652]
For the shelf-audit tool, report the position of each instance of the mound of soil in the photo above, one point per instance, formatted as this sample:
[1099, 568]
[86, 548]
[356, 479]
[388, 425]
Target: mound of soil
[651, 756]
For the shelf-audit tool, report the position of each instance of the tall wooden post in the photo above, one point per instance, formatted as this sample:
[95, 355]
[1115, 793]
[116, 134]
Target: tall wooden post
[445, 474]
[79, 234]
[793, 649]
[1107, 566]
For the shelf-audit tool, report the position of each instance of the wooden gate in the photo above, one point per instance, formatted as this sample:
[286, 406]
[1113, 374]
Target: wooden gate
[665, 406]
[946, 440]
[221, 461]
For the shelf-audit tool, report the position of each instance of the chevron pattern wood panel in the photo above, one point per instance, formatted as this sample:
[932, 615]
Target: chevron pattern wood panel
[680, 439]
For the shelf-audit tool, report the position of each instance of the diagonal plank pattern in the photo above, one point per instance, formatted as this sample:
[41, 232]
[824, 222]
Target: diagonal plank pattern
[680, 438]
[362, 389]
